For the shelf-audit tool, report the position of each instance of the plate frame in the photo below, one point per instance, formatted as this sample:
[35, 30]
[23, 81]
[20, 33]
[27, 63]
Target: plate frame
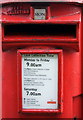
[60, 78]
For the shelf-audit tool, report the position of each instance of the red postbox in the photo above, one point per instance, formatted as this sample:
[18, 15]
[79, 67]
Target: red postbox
[41, 59]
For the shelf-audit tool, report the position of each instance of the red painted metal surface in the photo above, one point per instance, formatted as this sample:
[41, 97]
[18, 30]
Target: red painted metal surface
[74, 1]
[68, 15]
[0, 72]
[82, 61]
[70, 44]
[11, 89]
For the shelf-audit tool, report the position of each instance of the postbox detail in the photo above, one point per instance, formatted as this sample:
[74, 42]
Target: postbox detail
[41, 48]
[35, 23]
[34, 95]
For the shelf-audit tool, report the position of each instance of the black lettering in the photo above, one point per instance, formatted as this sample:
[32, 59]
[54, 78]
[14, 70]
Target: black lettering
[27, 92]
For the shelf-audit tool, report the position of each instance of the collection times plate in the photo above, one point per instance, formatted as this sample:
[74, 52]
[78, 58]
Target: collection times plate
[40, 81]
